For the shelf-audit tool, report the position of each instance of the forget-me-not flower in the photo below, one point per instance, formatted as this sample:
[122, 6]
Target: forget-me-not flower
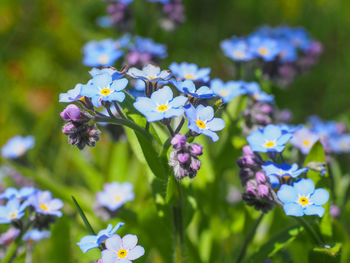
[302, 198]
[44, 204]
[93, 241]
[263, 47]
[147, 45]
[189, 88]
[189, 71]
[103, 53]
[35, 235]
[103, 88]
[237, 49]
[20, 194]
[269, 139]
[72, 94]
[253, 90]
[304, 139]
[122, 250]
[340, 144]
[226, 91]
[161, 105]
[150, 73]
[115, 74]
[115, 194]
[17, 146]
[201, 120]
[12, 210]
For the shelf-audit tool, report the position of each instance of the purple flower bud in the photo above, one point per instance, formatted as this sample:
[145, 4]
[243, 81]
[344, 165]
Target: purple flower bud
[263, 190]
[196, 149]
[250, 190]
[266, 108]
[260, 177]
[183, 157]
[247, 151]
[195, 164]
[178, 141]
[334, 211]
[69, 128]
[285, 115]
[71, 113]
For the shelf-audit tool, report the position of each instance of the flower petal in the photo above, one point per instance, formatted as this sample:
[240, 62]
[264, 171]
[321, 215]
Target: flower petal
[136, 252]
[114, 243]
[216, 124]
[144, 104]
[178, 102]
[205, 113]
[319, 197]
[293, 209]
[287, 194]
[109, 256]
[129, 241]
[314, 210]
[162, 96]
[304, 187]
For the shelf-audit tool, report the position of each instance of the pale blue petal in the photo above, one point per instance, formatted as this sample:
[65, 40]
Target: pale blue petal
[284, 138]
[319, 197]
[129, 241]
[119, 84]
[151, 70]
[314, 210]
[109, 256]
[134, 72]
[216, 124]
[173, 113]
[287, 194]
[211, 134]
[293, 209]
[190, 112]
[154, 116]
[206, 113]
[114, 243]
[102, 80]
[274, 181]
[87, 243]
[272, 132]
[178, 102]
[162, 96]
[135, 253]
[304, 186]
[115, 96]
[144, 104]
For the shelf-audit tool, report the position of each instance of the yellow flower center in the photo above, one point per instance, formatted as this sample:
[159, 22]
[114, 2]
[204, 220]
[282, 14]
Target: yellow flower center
[189, 76]
[270, 144]
[122, 253]
[223, 93]
[263, 51]
[13, 215]
[162, 107]
[82, 99]
[105, 91]
[200, 124]
[238, 54]
[117, 197]
[43, 207]
[103, 59]
[303, 201]
[286, 177]
[306, 142]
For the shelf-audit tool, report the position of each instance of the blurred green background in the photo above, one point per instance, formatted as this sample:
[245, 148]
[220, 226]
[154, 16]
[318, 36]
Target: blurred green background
[40, 56]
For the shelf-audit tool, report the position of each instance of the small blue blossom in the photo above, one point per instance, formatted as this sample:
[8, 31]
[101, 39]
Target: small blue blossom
[115, 74]
[269, 139]
[299, 38]
[114, 195]
[17, 146]
[288, 52]
[288, 128]
[253, 90]
[340, 144]
[122, 250]
[263, 47]
[226, 91]
[147, 45]
[44, 204]
[237, 49]
[21, 194]
[35, 235]
[304, 139]
[161, 105]
[189, 71]
[201, 120]
[72, 94]
[104, 21]
[12, 210]
[94, 241]
[302, 198]
[160, 1]
[103, 53]
[150, 73]
[284, 171]
[103, 88]
[189, 88]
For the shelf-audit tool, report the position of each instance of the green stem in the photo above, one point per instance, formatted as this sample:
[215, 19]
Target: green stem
[315, 236]
[179, 231]
[249, 238]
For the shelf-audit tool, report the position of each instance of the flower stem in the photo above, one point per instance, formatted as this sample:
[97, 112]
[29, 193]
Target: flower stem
[12, 250]
[315, 236]
[179, 231]
[249, 238]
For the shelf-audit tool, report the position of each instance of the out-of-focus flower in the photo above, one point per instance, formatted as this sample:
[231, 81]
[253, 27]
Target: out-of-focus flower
[150, 73]
[44, 204]
[35, 235]
[304, 139]
[302, 198]
[93, 241]
[104, 21]
[9, 236]
[13, 210]
[189, 88]
[201, 120]
[21, 194]
[265, 48]
[115, 74]
[226, 91]
[237, 49]
[17, 146]
[148, 46]
[340, 144]
[268, 139]
[253, 90]
[161, 105]
[189, 71]
[334, 211]
[103, 53]
[122, 249]
[115, 195]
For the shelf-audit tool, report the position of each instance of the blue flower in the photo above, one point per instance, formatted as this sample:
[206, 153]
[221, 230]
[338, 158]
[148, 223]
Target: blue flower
[161, 105]
[253, 89]
[12, 210]
[94, 241]
[227, 91]
[269, 139]
[304, 139]
[103, 88]
[299, 38]
[147, 45]
[288, 53]
[237, 49]
[115, 74]
[17, 146]
[44, 204]
[201, 120]
[104, 21]
[103, 53]
[122, 250]
[189, 71]
[189, 88]
[114, 195]
[21, 194]
[285, 171]
[36, 235]
[340, 144]
[150, 73]
[72, 94]
[264, 47]
[302, 198]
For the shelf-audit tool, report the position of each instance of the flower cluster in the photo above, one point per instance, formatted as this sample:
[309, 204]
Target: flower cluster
[114, 248]
[30, 211]
[263, 178]
[285, 51]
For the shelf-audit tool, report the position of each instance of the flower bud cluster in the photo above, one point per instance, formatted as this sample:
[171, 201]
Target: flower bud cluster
[259, 192]
[79, 132]
[184, 158]
[258, 114]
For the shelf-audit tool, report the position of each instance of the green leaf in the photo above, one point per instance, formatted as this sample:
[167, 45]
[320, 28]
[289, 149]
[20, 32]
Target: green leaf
[82, 215]
[317, 155]
[172, 193]
[331, 250]
[326, 254]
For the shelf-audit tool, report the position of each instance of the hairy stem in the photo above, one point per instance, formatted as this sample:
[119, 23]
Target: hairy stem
[179, 231]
